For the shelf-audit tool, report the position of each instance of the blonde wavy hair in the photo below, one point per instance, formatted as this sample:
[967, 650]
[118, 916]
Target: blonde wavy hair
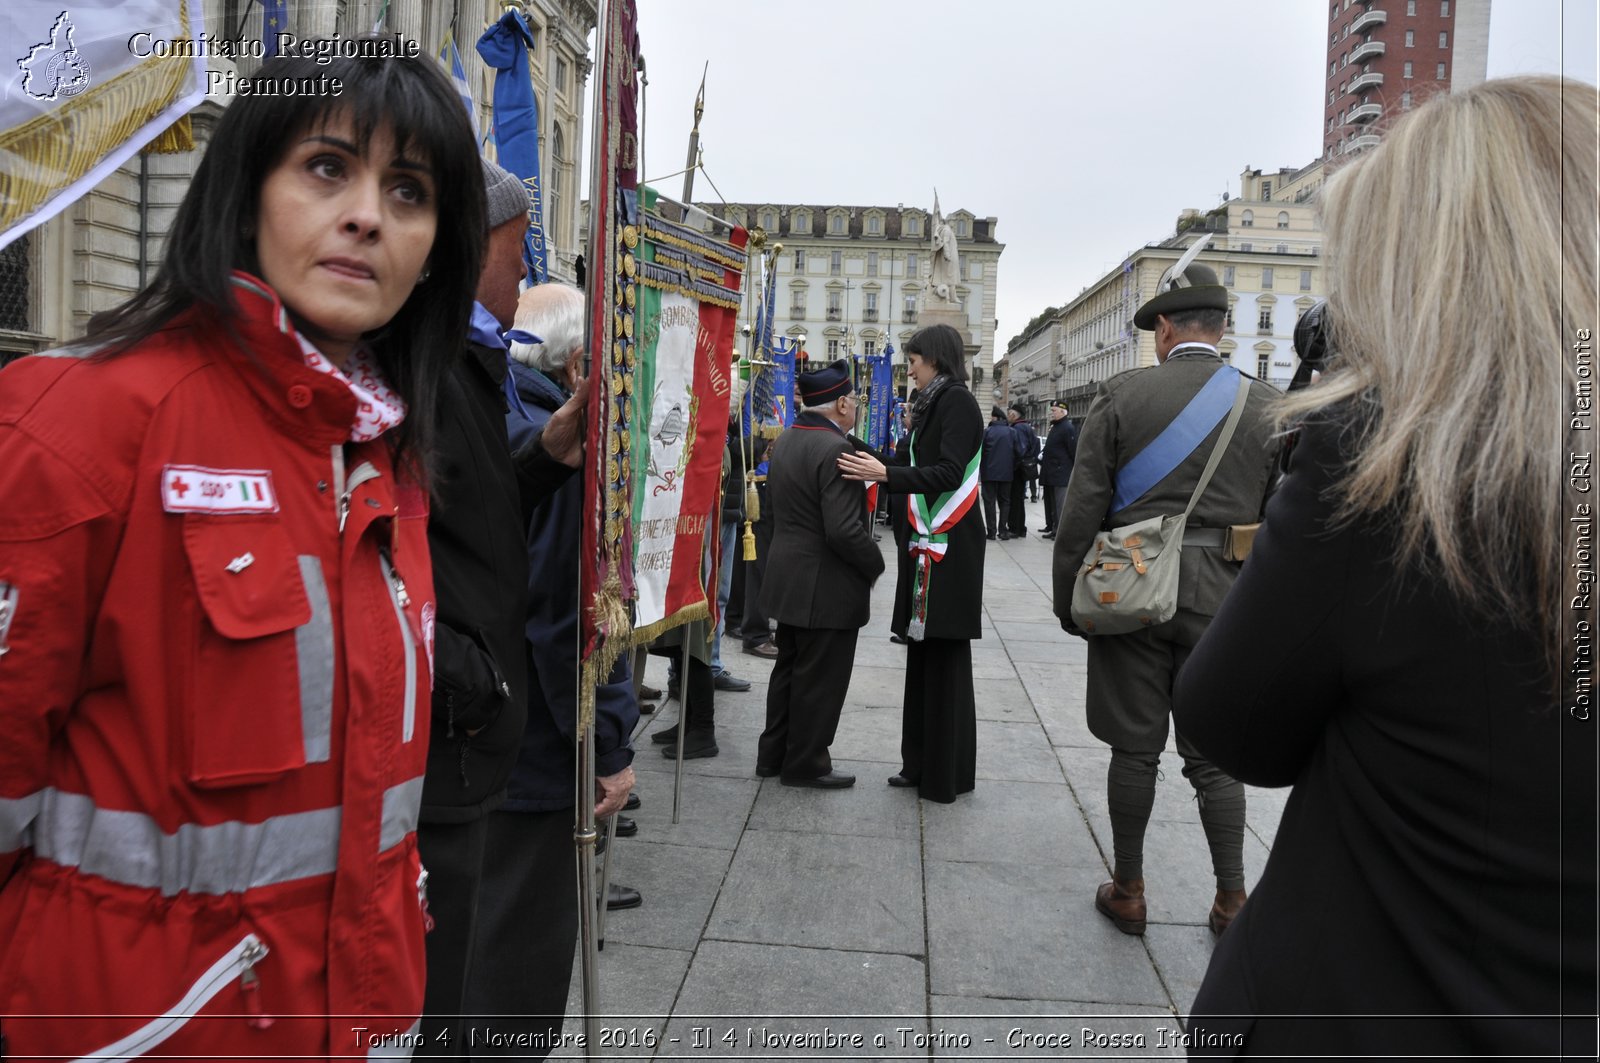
[1461, 267]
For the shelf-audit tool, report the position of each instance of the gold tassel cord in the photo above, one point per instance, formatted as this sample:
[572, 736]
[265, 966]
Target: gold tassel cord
[176, 139]
[749, 542]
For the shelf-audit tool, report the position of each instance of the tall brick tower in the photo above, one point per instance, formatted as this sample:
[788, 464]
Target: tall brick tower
[1387, 56]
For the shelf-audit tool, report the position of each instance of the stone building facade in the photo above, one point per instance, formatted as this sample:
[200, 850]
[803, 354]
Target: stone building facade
[109, 243]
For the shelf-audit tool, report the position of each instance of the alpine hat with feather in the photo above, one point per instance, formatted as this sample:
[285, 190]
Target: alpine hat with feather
[1186, 286]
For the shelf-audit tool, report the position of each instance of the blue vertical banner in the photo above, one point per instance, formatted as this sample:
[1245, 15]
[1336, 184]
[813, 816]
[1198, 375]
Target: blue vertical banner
[504, 46]
[881, 391]
[274, 20]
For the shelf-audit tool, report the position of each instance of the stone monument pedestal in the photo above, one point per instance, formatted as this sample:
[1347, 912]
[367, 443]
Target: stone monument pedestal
[938, 312]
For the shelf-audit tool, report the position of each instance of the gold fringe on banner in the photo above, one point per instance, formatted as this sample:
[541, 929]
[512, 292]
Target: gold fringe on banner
[176, 139]
[48, 153]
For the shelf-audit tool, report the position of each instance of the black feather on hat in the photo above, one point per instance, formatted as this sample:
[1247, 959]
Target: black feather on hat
[1186, 286]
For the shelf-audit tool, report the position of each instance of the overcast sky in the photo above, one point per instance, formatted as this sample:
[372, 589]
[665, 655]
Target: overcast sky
[1083, 127]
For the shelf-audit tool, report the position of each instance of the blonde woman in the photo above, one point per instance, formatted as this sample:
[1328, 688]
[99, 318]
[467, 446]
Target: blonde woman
[1391, 648]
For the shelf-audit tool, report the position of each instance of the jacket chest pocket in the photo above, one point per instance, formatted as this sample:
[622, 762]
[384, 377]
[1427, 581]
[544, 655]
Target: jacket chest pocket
[258, 700]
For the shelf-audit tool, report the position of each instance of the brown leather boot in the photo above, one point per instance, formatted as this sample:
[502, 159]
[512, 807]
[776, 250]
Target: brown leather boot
[1225, 909]
[1122, 903]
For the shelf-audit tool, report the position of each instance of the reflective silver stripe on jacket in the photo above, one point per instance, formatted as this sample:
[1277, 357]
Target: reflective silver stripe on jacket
[313, 648]
[130, 848]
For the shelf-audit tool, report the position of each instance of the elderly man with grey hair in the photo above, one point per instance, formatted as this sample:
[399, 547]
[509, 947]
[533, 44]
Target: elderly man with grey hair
[528, 915]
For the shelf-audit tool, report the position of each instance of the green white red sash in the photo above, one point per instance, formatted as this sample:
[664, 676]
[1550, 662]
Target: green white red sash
[931, 521]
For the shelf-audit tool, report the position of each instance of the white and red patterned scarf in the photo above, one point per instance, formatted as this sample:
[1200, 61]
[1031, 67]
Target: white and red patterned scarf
[378, 408]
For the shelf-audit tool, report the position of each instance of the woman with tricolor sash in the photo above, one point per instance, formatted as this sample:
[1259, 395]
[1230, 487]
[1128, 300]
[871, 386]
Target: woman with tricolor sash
[940, 593]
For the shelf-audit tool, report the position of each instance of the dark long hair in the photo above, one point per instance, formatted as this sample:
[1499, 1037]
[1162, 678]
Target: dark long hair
[941, 345]
[411, 97]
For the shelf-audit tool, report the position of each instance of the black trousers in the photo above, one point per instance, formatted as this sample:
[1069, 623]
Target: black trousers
[527, 932]
[804, 698]
[1019, 519]
[453, 854]
[1053, 499]
[938, 723]
[754, 627]
[996, 506]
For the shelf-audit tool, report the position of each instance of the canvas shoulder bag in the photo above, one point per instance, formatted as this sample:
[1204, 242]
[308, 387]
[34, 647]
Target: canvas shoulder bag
[1129, 577]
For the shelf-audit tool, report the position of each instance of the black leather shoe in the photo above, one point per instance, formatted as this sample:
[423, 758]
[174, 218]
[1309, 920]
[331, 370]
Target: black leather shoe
[694, 748]
[900, 782]
[899, 640]
[764, 772]
[646, 708]
[632, 802]
[834, 780]
[626, 828]
[665, 735]
[729, 681]
[621, 898]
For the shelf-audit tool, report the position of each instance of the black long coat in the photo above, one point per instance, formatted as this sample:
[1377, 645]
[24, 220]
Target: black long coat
[946, 440]
[823, 561]
[1418, 867]
[1060, 451]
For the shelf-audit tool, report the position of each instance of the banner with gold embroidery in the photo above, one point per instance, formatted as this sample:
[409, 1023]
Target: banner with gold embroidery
[84, 89]
[689, 291]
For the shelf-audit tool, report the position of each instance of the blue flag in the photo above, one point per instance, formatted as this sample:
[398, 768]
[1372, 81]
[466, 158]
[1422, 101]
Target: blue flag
[450, 58]
[880, 390]
[274, 20]
[504, 46]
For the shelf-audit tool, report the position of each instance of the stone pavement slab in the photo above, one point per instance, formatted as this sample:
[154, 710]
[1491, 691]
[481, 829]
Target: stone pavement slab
[1030, 1029]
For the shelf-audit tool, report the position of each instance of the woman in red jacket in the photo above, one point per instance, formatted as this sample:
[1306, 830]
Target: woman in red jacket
[216, 640]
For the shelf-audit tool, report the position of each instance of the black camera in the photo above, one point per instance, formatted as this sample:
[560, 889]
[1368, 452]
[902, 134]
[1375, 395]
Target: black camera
[1311, 344]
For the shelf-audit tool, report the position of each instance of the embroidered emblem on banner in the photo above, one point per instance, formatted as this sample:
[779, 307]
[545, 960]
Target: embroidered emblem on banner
[195, 489]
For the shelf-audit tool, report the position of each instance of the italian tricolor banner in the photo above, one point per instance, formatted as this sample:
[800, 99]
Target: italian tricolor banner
[932, 517]
[687, 303]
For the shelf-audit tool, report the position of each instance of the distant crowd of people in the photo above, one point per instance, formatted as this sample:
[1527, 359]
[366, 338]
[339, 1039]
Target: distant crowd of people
[289, 598]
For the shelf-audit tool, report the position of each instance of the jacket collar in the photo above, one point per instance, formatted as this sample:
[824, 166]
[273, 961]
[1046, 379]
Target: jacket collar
[811, 422]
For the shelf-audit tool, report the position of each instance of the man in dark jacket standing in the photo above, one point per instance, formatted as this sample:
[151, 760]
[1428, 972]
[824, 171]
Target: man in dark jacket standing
[528, 915]
[822, 540]
[996, 471]
[1060, 451]
[480, 572]
[1027, 469]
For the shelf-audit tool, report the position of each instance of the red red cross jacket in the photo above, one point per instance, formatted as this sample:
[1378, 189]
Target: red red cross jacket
[214, 686]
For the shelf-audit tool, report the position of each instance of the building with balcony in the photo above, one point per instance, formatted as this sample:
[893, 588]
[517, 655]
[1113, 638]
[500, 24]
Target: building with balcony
[106, 246]
[855, 275]
[1387, 56]
[1266, 247]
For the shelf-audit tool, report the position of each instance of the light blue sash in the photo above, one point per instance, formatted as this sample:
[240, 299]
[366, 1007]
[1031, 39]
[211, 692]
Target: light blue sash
[1178, 440]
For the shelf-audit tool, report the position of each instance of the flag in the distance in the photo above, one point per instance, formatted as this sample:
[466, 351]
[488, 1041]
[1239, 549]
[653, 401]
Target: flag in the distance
[504, 46]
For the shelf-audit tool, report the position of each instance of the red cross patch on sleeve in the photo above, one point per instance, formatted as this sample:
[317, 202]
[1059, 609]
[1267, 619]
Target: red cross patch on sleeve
[196, 489]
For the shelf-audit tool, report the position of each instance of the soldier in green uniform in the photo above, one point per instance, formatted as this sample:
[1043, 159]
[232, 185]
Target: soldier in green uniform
[1131, 676]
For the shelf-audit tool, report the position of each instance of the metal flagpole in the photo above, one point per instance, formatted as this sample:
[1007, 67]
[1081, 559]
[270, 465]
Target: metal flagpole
[600, 279]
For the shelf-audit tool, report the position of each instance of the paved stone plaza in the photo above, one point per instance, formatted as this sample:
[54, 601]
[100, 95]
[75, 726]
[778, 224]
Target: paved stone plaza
[950, 931]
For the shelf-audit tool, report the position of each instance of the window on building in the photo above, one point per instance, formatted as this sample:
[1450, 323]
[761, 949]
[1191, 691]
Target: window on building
[874, 225]
[556, 187]
[1438, 72]
[1405, 71]
[1264, 320]
[1266, 190]
[797, 303]
[835, 263]
[1333, 68]
[1244, 247]
[1330, 97]
[1444, 8]
[869, 347]
[1333, 12]
[1411, 7]
[913, 225]
[872, 263]
[961, 227]
[768, 222]
[799, 260]
[1247, 219]
[962, 301]
[1227, 276]
[909, 308]
[1283, 219]
[1263, 363]
[800, 222]
[1444, 39]
[1411, 39]
[560, 84]
[1229, 322]
[911, 265]
[1266, 277]
[836, 224]
[1405, 101]
[835, 305]
[870, 310]
[1305, 280]
[833, 349]
[16, 282]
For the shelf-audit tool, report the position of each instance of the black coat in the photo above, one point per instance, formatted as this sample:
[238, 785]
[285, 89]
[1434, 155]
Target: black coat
[1060, 451]
[944, 443]
[1417, 868]
[822, 562]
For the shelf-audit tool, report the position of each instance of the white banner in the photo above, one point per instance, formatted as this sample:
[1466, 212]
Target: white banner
[87, 83]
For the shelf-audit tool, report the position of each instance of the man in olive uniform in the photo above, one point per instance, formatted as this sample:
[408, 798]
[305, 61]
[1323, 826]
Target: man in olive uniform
[824, 563]
[1131, 676]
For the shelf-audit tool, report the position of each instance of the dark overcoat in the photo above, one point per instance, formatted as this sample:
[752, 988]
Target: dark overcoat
[822, 561]
[1060, 450]
[943, 444]
[1418, 869]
